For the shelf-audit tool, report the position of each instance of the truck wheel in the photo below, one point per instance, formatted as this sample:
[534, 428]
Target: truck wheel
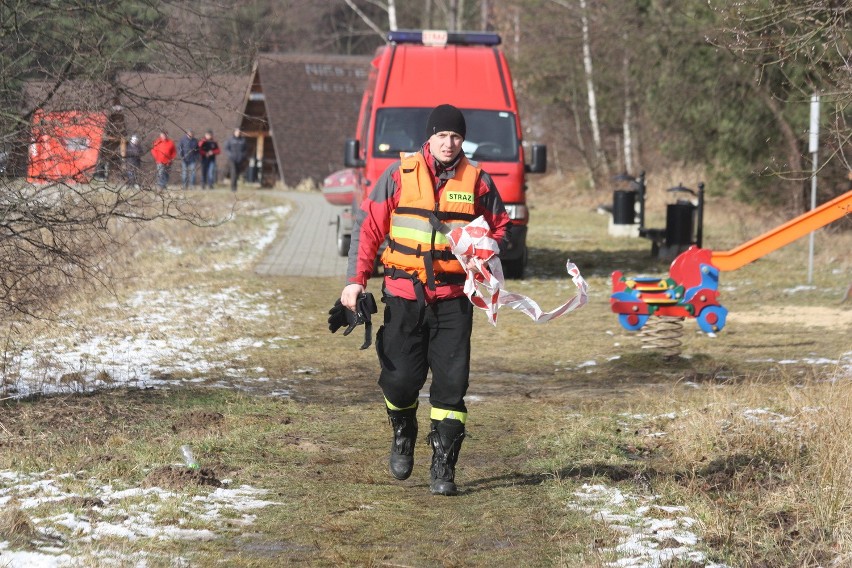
[343, 242]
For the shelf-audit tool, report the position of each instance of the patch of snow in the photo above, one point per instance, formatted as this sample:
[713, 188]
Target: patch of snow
[654, 535]
[150, 335]
[128, 514]
[764, 416]
[797, 289]
[157, 341]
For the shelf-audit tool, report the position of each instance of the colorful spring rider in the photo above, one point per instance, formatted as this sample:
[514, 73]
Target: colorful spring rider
[690, 291]
[657, 306]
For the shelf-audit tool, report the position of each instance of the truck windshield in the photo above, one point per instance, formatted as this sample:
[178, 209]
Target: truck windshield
[491, 134]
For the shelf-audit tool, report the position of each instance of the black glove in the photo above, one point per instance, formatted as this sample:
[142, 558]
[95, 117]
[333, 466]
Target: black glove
[339, 315]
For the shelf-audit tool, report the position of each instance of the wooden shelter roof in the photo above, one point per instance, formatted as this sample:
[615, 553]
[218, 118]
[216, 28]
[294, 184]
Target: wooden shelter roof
[311, 104]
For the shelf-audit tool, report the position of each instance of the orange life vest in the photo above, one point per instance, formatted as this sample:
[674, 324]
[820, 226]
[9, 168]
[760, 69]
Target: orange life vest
[417, 245]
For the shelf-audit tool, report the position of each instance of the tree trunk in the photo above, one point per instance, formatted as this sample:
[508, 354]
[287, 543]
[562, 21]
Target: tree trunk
[581, 143]
[516, 44]
[483, 15]
[628, 113]
[366, 18]
[800, 191]
[451, 15]
[590, 89]
[426, 19]
[392, 15]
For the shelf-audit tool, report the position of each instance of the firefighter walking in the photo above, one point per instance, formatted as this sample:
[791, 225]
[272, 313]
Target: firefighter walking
[427, 317]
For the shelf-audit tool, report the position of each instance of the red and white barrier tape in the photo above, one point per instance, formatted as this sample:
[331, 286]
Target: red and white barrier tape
[473, 244]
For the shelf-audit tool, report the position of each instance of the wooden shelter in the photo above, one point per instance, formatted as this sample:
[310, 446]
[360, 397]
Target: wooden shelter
[299, 110]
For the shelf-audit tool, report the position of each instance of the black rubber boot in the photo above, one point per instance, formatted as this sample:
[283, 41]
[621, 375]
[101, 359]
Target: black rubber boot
[404, 423]
[446, 439]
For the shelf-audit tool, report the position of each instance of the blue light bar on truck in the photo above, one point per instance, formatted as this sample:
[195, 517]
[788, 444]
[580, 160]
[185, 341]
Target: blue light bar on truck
[442, 37]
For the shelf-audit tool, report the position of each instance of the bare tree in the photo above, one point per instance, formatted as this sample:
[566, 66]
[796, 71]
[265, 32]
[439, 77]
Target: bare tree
[600, 159]
[426, 14]
[392, 15]
[62, 65]
[628, 110]
[797, 49]
[372, 25]
[453, 11]
[484, 13]
[454, 8]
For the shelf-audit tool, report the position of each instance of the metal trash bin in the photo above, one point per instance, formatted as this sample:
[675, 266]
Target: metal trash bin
[623, 207]
[680, 220]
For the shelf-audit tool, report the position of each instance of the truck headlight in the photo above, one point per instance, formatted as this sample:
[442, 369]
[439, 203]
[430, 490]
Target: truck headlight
[517, 212]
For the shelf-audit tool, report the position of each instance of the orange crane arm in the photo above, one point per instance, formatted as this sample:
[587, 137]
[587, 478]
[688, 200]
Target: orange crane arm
[783, 234]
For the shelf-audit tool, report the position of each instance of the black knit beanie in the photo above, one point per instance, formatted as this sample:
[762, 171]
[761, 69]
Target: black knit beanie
[446, 118]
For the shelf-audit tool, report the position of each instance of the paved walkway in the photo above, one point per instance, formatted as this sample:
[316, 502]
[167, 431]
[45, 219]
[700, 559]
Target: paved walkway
[308, 243]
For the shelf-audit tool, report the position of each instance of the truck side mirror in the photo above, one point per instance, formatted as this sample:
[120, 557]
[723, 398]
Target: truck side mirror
[538, 159]
[351, 151]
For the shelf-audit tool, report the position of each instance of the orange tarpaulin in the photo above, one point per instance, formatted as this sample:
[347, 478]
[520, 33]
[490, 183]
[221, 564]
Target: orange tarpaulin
[65, 145]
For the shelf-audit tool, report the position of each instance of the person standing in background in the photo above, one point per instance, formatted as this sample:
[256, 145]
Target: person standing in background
[164, 152]
[188, 152]
[235, 147]
[209, 149]
[133, 161]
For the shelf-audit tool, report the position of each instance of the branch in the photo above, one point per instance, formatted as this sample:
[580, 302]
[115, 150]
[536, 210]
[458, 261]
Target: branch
[367, 20]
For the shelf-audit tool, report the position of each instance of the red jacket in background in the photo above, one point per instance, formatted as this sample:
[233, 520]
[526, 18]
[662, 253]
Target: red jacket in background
[164, 151]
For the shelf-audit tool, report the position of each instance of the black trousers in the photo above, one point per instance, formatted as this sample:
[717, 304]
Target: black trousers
[234, 173]
[408, 348]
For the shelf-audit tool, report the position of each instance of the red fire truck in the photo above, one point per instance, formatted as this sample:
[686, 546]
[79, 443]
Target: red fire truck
[408, 77]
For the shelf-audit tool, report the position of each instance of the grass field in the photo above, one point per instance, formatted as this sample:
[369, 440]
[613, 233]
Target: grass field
[584, 449]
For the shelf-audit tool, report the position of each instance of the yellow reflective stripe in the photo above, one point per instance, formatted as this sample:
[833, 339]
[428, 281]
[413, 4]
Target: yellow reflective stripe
[398, 232]
[423, 225]
[392, 407]
[441, 414]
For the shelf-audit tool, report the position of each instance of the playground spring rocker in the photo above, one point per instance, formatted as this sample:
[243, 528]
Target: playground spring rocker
[657, 306]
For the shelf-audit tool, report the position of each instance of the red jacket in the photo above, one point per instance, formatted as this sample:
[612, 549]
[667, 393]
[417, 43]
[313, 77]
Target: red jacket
[164, 151]
[372, 224]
